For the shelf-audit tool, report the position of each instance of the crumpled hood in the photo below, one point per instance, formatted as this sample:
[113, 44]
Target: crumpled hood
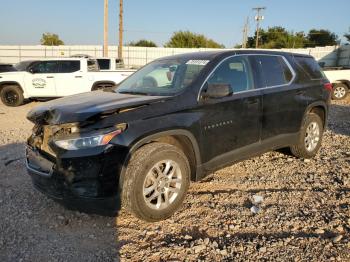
[83, 106]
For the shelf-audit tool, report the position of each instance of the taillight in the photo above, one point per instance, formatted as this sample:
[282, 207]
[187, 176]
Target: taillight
[328, 86]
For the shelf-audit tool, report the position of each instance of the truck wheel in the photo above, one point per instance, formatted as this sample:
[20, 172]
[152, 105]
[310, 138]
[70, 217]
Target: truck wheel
[12, 95]
[339, 91]
[155, 182]
[310, 137]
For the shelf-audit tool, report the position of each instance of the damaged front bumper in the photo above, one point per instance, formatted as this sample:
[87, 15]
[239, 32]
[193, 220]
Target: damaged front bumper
[85, 181]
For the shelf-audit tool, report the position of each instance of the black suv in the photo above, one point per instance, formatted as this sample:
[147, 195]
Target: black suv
[172, 122]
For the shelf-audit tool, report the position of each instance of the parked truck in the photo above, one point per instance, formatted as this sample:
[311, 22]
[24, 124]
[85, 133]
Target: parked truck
[52, 78]
[340, 79]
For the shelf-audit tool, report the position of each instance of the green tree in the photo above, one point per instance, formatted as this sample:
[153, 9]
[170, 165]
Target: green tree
[187, 39]
[321, 37]
[51, 39]
[347, 36]
[144, 43]
[278, 37]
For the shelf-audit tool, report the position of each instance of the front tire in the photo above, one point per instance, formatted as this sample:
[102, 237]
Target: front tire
[310, 137]
[339, 91]
[155, 182]
[12, 96]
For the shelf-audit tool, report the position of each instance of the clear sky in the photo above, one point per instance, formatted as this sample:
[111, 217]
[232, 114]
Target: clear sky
[81, 21]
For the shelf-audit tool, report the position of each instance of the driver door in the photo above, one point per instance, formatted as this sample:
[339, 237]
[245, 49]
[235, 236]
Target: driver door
[40, 81]
[231, 123]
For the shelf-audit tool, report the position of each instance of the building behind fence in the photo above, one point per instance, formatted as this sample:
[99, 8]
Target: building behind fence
[139, 56]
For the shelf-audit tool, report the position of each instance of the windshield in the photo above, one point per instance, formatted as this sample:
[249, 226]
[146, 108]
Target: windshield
[22, 66]
[162, 77]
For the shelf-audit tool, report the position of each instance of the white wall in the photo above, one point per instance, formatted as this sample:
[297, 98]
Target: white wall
[138, 56]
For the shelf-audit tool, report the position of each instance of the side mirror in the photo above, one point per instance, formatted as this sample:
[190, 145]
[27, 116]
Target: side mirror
[214, 91]
[31, 70]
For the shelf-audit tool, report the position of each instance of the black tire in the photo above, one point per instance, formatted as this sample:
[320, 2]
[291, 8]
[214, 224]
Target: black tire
[339, 91]
[12, 95]
[301, 148]
[137, 175]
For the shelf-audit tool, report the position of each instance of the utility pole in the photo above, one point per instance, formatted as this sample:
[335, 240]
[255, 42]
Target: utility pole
[120, 47]
[245, 33]
[258, 18]
[105, 30]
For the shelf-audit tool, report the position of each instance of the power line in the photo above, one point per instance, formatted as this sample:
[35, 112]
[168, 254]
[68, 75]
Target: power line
[258, 18]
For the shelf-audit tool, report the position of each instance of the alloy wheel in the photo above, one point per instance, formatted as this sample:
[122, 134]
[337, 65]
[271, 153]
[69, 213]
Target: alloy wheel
[162, 184]
[312, 136]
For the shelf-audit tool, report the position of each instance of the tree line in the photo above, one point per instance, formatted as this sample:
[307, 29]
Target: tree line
[274, 37]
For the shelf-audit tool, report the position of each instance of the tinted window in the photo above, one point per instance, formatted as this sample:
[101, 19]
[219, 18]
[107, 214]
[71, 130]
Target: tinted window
[275, 70]
[6, 68]
[104, 64]
[45, 67]
[234, 71]
[69, 66]
[309, 66]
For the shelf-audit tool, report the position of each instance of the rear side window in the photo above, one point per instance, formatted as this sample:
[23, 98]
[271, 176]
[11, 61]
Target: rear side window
[92, 65]
[309, 66]
[275, 70]
[104, 64]
[69, 66]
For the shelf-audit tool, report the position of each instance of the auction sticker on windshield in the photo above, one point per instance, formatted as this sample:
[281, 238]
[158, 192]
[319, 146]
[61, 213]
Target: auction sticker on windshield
[197, 62]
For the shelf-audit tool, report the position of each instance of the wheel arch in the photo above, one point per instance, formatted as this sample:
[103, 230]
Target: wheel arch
[319, 108]
[343, 81]
[10, 83]
[97, 83]
[182, 139]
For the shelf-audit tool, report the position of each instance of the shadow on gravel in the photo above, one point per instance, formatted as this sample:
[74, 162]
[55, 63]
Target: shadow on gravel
[36, 228]
[339, 119]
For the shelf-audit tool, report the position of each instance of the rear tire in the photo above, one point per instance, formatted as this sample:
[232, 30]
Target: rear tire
[155, 182]
[310, 137]
[12, 96]
[339, 91]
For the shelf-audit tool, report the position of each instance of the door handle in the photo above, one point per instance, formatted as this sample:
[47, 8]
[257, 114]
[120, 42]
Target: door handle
[50, 77]
[78, 77]
[300, 92]
[252, 101]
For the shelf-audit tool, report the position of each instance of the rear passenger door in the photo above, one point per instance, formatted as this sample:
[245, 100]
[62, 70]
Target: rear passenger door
[283, 100]
[232, 122]
[70, 79]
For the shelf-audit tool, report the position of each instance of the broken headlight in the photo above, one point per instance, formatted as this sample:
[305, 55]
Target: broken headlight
[88, 141]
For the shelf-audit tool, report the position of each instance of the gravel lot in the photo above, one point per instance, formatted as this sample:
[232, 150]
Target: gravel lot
[304, 214]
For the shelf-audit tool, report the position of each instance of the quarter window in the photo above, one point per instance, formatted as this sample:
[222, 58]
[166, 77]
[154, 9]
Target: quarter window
[309, 66]
[275, 70]
[69, 66]
[236, 72]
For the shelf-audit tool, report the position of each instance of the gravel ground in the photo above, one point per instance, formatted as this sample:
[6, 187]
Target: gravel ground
[303, 214]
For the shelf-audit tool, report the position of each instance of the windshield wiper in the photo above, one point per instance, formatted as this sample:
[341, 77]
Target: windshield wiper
[134, 93]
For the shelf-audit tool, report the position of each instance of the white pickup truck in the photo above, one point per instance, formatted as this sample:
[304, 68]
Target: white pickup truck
[52, 78]
[340, 79]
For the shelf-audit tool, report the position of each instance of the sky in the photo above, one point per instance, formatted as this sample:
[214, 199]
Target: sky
[80, 22]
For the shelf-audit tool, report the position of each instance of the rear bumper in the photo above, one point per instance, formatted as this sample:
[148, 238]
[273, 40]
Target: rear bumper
[86, 184]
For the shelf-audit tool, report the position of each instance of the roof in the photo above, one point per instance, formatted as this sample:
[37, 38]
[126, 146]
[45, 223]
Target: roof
[209, 55]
